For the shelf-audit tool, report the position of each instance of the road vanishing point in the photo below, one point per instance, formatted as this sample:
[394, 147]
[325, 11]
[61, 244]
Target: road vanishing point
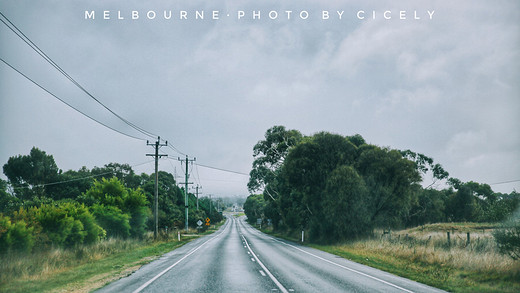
[239, 258]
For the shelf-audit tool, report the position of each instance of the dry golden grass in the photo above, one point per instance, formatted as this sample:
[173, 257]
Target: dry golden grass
[423, 254]
[480, 254]
[40, 264]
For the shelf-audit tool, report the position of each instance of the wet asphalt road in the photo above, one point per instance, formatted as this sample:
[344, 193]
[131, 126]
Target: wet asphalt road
[238, 258]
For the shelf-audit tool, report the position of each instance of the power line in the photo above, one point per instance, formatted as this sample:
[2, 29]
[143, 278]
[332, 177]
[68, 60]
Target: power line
[31, 44]
[37, 49]
[224, 170]
[504, 182]
[176, 149]
[61, 100]
[197, 173]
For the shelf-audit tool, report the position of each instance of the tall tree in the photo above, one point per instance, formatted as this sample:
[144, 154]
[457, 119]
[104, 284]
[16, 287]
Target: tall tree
[425, 165]
[28, 173]
[123, 172]
[346, 201]
[269, 155]
[392, 181]
[254, 207]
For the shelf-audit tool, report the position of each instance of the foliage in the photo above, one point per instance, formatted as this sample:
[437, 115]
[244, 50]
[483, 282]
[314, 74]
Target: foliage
[171, 200]
[346, 200]
[117, 207]
[254, 208]
[15, 236]
[270, 154]
[28, 173]
[340, 187]
[112, 219]
[43, 207]
[391, 180]
[429, 207]
[508, 238]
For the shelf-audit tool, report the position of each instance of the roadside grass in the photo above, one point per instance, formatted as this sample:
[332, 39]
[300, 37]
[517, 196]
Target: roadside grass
[424, 255]
[84, 268]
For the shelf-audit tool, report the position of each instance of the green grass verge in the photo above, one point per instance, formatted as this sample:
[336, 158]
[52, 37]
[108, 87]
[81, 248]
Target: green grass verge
[86, 275]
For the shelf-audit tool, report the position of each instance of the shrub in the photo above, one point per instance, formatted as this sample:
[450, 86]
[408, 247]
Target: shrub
[58, 225]
[112, 219]
[508, 239]
[5, 225]
[92, 231]
[135, 204]
[15, 236]
[109, 197]
[21, 237]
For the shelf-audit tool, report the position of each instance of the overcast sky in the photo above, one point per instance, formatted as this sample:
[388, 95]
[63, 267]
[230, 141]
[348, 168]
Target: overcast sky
[446, 84]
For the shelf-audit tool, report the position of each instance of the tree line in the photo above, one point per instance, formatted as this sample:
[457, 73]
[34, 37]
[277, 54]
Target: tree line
[341, 187]
[42, 206]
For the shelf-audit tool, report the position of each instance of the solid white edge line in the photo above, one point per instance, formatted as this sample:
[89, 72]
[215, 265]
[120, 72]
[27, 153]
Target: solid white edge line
[346, 268]
[341, 266]
[173, 265]
[282, 288]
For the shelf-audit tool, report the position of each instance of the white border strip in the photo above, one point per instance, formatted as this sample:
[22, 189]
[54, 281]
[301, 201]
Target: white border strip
[346, 268]
[282, 288]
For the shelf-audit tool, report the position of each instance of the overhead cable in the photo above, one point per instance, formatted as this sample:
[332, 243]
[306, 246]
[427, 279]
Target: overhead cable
[504, 182]
[175, 149]
[224, 170]
[31, 44]
[61, 100]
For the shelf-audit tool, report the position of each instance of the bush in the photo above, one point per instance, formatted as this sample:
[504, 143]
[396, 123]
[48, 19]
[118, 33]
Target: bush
[345, 199]
[92, 231]
[113, 220]
[59, 226]
[135, 204]
[508, 239]
[15, 236]
[110, 197]
[21, 237]
[5, 225]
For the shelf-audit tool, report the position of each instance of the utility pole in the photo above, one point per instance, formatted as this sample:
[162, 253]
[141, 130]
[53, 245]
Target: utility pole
[156, 145]
[186, 188]
[197, 192]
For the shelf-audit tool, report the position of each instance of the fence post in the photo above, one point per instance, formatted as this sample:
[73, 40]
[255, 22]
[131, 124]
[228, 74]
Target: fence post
[449, 242]
[468, 240]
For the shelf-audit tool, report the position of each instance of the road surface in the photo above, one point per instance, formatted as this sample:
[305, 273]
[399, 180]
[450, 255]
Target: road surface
[239, 258]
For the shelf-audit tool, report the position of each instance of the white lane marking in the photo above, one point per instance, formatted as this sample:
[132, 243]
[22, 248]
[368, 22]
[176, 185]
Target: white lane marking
[176, 263]
[346, 268]
[262, 273]
[282, 288]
